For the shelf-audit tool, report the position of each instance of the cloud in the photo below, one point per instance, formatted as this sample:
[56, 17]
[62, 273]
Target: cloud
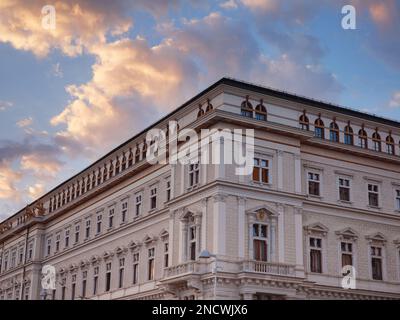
[4, 105]
[230, 4]
[57, 71]
[41, 164]
[37, 190]
[261, 5]
[25, 122]
[395, 100]
[8, 180]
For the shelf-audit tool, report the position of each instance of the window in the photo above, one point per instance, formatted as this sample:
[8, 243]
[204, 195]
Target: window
[30, 251]
[111, 218]
[58, 237]
[121, 272]
[95, 279]
[135, 268]
[398, 199]
[314, 184]
[261, 111]
[304, 122]
[260, 242]
[319, 129]
[108, 276]
[316, 255]
[77, 229]
[153, 198]
[84, 282]
[87, 229]
[344, 189]
[138, 204]
[261, 170]
[347, 253]
[166, 251]
[73, 287]
[362, 139]
[192, 243]
[48, 246]
[66, 238]
[376, 140]
[348, 135]
[168, 190]
[13, 258]
[334, 132]
[150, 275]
[373, 195]
[21, 255]
[376, 263]
[389, 144]
[99, 219]
[194, 170]
[124, 211]
[247, 108]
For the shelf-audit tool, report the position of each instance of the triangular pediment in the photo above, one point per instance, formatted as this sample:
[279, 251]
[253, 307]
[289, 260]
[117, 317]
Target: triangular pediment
[377, 237]
[317, 228]
[347, 233]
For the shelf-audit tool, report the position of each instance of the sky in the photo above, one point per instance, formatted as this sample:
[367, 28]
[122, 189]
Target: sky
[108, 69]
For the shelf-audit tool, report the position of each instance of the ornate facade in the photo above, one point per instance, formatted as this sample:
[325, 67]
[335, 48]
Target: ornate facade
[324, 192]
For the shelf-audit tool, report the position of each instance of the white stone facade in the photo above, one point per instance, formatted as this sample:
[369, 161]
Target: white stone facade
[145, 225]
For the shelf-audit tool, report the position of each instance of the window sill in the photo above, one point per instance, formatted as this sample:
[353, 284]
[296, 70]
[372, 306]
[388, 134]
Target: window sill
[86, 239]
[261, 184]
[110, 229]
[374, 207]
[314, 196]
[191, 188]
[345, 202]
[152, 210]
[122, 223]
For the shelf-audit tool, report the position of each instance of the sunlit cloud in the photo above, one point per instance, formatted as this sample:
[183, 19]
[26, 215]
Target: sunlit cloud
[395, 100]
[25, 122]
[4, 105]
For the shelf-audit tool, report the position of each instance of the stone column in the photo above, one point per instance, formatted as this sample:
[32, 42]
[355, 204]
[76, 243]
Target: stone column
[219, 234]
[280, 169]
[298, 224]
[204, 204]
[297, 173]
[171, 238]
[241, 225]
[281, 233]
[220, 167]
[272, 240]
[250, 231]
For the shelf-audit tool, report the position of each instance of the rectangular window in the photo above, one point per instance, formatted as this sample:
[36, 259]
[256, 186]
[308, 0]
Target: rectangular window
[314, 184]
[397, 199]
[87, 230]
[376, 263]
[99, 219]
[348, 138]
[58, 237]
[66, 238]
[166, 251]
[111, 218]
[77, 228]
[316, 255]
[48, 246]
[153, 198]
[121, 272]
[21, 256]
[138, 204]
[194, 170]
[135, 268]
[373, 195]
[95, 280]
[344, 189]
[150, 275]
[319, 132]
[347, 253]
[260, 242]
[108, 276]
[30, 251]
[124, 211]
[261, 170]
[84, 288]
[168, 190]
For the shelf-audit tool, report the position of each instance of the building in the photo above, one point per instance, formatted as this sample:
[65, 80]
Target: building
[324, 192]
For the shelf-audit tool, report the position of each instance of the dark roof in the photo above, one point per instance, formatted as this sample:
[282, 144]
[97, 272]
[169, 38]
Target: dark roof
[246, 86]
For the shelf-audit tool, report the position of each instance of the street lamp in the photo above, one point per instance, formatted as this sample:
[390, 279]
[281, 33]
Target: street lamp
[205, 254]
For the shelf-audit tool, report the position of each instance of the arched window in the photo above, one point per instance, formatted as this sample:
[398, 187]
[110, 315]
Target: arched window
[389, 144]
[348, 135]
[209, 106]
[319, 130]
[200, 112]
[304, 122]
[261, 111]
[247, 108]
[130, 158]
[334, 132]
[376, 140]
[362, 139]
